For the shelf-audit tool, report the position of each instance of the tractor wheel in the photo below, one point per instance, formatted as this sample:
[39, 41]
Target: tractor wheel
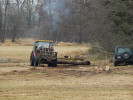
[55, 63]
[115, 63]
[31, 59]
[35, 63]
[49, 64]
[31, 62]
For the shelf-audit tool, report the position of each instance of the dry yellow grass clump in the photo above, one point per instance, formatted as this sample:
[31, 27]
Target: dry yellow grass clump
[71, 50]
[19, 81]
[66, 44]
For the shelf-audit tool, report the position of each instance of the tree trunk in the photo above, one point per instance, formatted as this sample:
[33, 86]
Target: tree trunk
[0, 19]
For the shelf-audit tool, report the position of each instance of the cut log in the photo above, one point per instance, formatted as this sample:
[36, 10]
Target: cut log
[73, 62]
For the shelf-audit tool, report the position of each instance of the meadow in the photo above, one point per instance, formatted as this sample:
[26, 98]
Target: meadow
[19, 81]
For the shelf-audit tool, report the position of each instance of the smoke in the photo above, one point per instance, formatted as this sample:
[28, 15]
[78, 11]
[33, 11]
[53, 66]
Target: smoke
[57, 11]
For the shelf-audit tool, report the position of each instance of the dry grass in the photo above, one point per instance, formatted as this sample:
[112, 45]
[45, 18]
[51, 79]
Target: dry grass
[71, 50]
[63, 84]
[30, 42]
[15, 53]
[22, 42]
[18, 81]
[66, 44]
[22, 53]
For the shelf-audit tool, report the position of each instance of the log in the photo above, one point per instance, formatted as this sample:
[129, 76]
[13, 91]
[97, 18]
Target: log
[73, 62]
[73, 59]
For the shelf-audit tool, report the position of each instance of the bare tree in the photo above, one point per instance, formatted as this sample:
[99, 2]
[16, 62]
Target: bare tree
[68, 20]
[29, 10]
[1, 14]
[4, 28]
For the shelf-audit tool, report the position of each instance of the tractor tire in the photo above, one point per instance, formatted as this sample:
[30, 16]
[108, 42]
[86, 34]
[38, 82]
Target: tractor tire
[49, 64]
[31, 62]
[115, 64]
[54, 63]
[35, 63]
[31, 59]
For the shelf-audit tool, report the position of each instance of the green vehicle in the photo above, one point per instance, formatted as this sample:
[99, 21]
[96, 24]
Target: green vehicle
[43, 53]
[123, 55]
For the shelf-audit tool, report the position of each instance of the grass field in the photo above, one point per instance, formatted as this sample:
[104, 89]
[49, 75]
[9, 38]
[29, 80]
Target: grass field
[22, 53]
[19, 81]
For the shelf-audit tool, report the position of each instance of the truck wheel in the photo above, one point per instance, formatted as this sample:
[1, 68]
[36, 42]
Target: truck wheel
[35, 63]
[115, 63]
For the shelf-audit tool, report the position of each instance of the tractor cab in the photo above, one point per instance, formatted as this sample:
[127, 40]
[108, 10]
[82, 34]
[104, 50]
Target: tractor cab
[42, 44]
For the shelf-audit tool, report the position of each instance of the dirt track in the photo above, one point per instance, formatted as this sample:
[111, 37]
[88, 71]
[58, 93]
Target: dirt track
[63, 69]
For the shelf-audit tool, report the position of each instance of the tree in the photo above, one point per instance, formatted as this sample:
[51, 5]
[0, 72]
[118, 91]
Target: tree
[120, 12]
[4, 7]
[1, 14]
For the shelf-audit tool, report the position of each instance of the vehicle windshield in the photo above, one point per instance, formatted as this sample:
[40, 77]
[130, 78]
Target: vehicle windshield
[123, 50]
[45, 44]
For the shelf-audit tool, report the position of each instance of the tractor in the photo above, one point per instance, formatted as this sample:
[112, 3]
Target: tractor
[43, 53]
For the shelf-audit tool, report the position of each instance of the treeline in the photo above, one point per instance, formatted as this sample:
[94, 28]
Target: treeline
[120, 12]
[15, 18]
[104, 23]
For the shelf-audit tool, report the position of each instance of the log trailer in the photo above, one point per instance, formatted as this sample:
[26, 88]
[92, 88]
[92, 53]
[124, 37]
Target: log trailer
[43, 53]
